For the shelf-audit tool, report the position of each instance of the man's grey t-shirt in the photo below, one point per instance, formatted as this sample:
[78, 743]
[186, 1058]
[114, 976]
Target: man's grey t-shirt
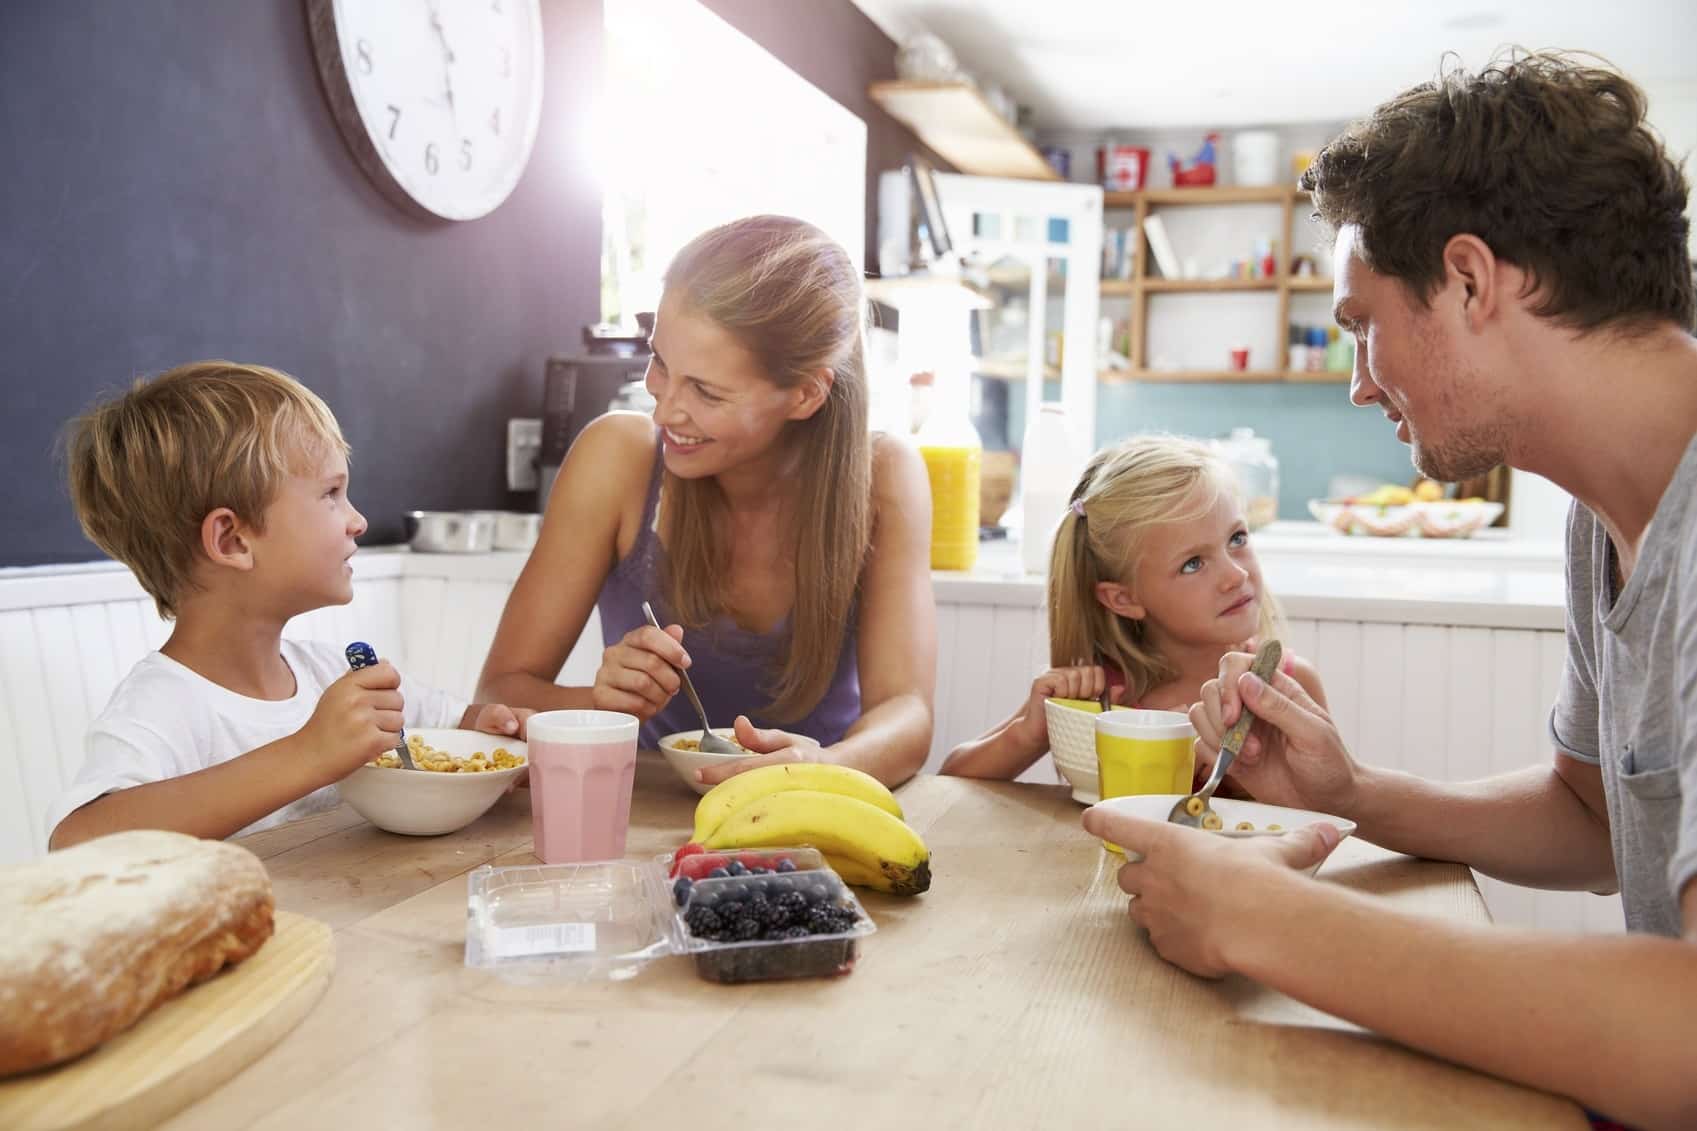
[1628, 699]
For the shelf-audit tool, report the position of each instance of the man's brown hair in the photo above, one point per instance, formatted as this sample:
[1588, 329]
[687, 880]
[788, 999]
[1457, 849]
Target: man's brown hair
[1544, 156]
[148, 466]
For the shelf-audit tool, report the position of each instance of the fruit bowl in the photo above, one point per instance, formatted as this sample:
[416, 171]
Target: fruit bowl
[1156, 806]
[685, 758]
[427, 803]
[1446, 518]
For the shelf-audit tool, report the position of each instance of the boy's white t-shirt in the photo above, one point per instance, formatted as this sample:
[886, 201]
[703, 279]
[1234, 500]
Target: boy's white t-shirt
[164, 721]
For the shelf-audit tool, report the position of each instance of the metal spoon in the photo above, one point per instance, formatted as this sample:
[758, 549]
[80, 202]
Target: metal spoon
[710, 742]
[362, 655]
[1195, 810]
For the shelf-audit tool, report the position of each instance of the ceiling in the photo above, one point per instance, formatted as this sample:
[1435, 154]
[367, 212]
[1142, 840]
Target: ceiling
[1091, 65]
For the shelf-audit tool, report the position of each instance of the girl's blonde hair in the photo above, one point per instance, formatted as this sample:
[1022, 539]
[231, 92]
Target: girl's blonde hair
[792, 298]
[1125, 490]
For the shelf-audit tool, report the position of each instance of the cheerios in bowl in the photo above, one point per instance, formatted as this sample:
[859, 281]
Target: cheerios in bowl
[460, 774]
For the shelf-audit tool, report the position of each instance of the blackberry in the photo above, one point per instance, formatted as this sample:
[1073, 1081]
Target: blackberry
[745, 929]
[680, 890]
[786, 865]
[789, 933]
[703, 922]
[828, 920]
[731, 910]
[793, 904]
[772, 916]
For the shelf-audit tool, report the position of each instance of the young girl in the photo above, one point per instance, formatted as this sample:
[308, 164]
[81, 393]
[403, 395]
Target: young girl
[785, 548]
[1151, 581]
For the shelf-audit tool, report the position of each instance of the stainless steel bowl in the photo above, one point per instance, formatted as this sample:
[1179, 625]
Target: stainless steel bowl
[515, 530]
[450, 532]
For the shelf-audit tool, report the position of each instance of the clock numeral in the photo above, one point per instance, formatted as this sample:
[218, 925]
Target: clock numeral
[363, 50]
[395, 121]
[465, 153]
[506, 62]
[495, 121]
[430, 162]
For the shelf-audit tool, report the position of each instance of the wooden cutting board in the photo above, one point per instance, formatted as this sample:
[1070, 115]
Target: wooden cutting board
[186, 1047]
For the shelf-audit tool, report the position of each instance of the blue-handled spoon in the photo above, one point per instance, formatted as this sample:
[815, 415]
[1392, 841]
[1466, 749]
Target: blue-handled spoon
[362, 655]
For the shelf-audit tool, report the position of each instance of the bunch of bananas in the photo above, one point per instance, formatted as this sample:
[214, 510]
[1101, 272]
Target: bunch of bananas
[847, 815]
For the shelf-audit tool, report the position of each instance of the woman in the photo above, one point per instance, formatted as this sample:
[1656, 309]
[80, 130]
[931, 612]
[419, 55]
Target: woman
[790, 548]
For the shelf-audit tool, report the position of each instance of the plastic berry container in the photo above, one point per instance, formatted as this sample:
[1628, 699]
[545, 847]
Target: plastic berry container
[786, 915]
[796, 920]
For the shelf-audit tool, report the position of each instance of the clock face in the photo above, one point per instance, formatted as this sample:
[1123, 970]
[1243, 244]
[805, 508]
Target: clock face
[447, 94]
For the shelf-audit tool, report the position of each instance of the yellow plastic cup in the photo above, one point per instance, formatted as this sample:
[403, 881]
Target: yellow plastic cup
[1141, 751]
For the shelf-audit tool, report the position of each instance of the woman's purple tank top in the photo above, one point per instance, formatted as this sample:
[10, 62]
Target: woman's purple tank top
[733, 669]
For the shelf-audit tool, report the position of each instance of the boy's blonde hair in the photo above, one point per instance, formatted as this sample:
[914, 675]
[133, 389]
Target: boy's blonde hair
[1139, 483]
[148, 466]
[792, 297]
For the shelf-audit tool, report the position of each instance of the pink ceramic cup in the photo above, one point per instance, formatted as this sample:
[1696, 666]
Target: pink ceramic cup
[582, 765]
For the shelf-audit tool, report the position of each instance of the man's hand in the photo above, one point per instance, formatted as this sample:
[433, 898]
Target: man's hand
[1293, 755]
[1193, 892]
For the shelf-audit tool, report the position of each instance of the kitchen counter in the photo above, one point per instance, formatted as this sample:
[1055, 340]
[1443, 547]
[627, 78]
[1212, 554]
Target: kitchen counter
[1317, 574]
[1014, 994]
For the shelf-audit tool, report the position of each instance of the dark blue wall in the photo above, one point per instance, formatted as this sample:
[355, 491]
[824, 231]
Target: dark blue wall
[175, 188]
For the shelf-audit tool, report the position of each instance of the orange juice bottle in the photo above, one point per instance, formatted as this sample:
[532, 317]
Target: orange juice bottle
[953, 453]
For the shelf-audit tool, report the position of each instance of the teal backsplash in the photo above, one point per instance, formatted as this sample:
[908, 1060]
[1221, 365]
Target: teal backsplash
[1315, 432]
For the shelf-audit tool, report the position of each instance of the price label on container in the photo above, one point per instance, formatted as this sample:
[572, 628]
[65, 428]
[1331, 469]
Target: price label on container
[549, 938]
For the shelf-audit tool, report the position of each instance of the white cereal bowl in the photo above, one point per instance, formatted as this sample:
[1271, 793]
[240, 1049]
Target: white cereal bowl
[685, 762]
[1072, 740]
[426, 803]
[1156, 806]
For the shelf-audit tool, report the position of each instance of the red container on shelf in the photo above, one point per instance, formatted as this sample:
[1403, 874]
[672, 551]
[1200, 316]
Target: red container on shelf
[1122, 168]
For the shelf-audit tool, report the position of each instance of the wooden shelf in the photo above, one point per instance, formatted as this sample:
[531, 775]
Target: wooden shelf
[1229, 194]
[1181, 376]
[1311, 283]
[1205, 286]
[956, 122]
[1322, 377]
[1118, 287]
[897, 289]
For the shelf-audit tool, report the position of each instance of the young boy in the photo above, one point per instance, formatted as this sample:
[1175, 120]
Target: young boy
[224, 488]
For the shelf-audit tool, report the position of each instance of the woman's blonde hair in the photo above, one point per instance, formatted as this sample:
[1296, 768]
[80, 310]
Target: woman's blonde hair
[148, 466]
[1125, 490]
[792, 298]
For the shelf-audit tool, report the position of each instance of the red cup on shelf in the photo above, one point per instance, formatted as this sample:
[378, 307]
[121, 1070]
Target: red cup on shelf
[1240, 358]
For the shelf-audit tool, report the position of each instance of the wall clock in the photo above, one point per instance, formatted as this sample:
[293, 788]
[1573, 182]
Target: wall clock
[438, 99]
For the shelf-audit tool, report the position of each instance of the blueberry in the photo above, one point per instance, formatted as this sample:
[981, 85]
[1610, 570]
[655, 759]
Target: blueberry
[736, 869]
[786, 865]
[680, 890]
[718, 874]
[760, 871]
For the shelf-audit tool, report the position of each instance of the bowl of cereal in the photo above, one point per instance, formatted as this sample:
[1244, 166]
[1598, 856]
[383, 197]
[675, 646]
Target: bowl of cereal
[683, 752]
[460, 774]
[1238, 819]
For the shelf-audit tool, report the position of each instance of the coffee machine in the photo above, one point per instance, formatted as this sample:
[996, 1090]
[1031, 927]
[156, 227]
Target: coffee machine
[577, 388]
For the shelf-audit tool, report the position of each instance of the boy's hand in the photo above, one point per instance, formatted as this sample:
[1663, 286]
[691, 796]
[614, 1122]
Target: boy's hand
[357, 718]
[1085, 681]
[498, 718]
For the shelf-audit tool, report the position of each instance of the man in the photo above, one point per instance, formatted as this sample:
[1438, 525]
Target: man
[1511, 258]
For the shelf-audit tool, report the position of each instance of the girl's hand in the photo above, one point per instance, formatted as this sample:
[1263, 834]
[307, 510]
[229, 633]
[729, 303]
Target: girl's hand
[767, 747]
[638, 675]
[1084, 681]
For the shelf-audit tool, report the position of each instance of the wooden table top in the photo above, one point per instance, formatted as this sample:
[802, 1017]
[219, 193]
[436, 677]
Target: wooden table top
[1016, 993]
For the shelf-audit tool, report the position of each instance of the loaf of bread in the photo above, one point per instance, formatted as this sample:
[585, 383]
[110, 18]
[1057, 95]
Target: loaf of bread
[94, 937]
